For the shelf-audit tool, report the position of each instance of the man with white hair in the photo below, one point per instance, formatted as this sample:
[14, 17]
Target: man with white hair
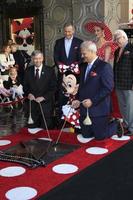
[94, 94]
[123, 77]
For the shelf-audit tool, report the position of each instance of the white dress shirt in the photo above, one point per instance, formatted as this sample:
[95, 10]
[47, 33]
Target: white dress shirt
[68, 43]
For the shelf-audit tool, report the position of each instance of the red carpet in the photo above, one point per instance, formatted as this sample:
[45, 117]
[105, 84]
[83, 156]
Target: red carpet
[43, 179]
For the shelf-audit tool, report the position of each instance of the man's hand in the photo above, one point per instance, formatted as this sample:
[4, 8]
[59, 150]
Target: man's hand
[87, 103]
[39, 99]
[31, 97]
[75, 104]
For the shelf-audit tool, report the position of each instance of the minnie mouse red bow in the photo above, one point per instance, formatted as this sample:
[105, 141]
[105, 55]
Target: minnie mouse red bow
[74, 67]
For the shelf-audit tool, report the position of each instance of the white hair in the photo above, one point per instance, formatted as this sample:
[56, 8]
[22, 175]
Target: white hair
[89, 46]
[120, 33]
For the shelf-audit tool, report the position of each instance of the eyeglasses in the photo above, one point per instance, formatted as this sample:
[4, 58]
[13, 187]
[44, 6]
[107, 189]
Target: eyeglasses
[27, 40]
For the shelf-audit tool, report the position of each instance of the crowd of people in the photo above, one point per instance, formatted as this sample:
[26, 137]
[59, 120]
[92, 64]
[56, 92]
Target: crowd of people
[104, 93]
[13, 63]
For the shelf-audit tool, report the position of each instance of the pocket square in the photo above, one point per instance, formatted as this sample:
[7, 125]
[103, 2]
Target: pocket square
[93, 74]
[126, 52]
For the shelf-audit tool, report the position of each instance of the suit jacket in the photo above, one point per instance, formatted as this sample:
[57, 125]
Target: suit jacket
[60, 53]
[21, 58]
[123, 69]
[97, 87]
[45, 86]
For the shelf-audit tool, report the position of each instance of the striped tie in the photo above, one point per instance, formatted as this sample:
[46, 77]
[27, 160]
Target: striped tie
[37, 74]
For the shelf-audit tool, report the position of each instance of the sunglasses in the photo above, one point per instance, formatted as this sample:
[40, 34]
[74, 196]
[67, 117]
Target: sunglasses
[20, 40]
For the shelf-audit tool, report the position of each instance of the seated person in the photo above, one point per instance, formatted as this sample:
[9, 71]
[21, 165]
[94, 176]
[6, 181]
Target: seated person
[13, 84]
[6, 61]
[4, 93]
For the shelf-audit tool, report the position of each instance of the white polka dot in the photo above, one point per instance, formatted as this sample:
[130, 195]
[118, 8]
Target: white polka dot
[4, 142]
[96, 150]
[74, 117]
[47, 139]
[65, 169]
[123, 138]
[81, 139]
[76, 69]
[73, 123]
[34, 130]
[21, 193]
[12, 171]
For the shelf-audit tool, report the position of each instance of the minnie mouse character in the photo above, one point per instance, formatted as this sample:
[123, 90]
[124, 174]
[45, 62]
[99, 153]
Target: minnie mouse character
[70, 85]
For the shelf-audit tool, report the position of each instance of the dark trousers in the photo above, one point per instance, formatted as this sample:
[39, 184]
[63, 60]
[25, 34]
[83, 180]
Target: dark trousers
[61, 100]
[100, 128]
[37, 115]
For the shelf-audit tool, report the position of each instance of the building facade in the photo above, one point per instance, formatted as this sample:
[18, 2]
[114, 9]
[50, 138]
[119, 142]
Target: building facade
[50, 16]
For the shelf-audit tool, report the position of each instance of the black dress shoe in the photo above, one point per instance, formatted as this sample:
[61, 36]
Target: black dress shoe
[129, 133]
[120, 129]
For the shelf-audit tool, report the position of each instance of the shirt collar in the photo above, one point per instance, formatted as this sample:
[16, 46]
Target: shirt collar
[40, 68]
[124, 45]
[66, 39]
[93, 61]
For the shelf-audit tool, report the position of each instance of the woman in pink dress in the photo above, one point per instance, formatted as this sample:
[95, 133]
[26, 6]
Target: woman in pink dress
[106, 48]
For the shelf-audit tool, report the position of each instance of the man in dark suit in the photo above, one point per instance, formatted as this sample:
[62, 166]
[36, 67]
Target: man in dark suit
[66, 53]
[123, 74]
[39, 87]
[94, 94]
[67, 49]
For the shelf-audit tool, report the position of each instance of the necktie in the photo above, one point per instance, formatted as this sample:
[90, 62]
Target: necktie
[87, 71]
[37, 74]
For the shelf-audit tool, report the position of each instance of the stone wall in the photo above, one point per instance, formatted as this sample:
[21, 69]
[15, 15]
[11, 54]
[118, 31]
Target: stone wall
[53, 14]
[58, 12]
